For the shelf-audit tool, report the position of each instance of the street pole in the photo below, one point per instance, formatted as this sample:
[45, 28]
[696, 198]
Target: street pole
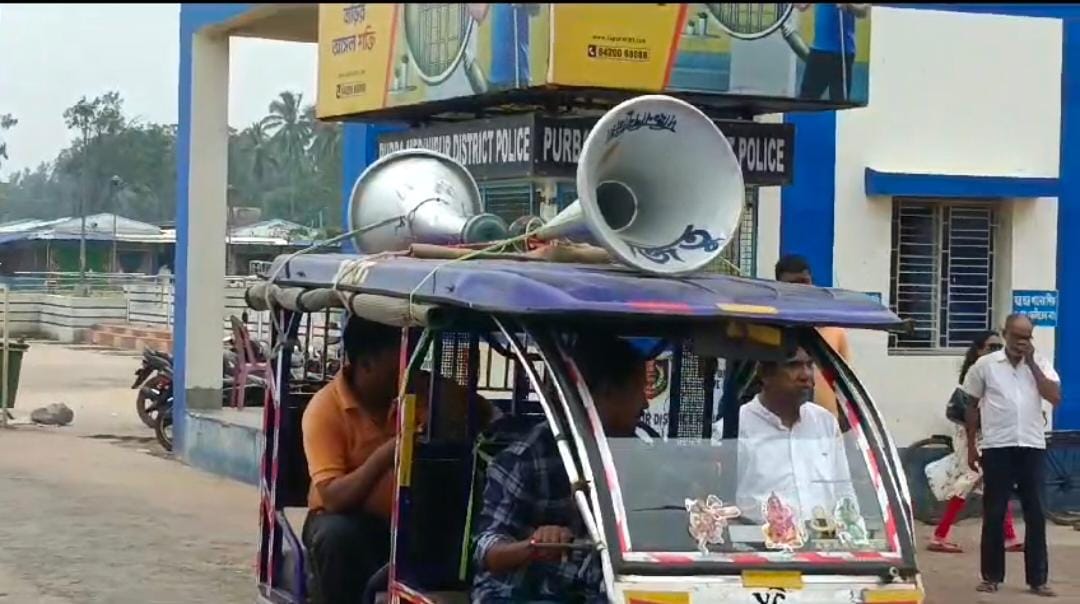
[82, 245]
[116, 183]
[82, 228]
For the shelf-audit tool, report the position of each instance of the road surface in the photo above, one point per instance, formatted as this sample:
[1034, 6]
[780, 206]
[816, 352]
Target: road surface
[88, 520]
[96, 513]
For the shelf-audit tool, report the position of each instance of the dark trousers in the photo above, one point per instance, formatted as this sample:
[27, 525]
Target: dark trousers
[1004, 469]
[345, 550]
[827, 71]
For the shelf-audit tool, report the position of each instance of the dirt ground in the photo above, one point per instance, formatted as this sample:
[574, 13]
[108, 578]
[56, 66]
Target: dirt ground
[96, 513]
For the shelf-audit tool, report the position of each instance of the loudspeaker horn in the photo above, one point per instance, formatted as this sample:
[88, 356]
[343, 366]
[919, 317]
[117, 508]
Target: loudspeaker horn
[659, 188]
[434, 196]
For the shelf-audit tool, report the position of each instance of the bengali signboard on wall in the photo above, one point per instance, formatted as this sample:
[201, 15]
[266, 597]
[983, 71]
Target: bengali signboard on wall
[378, 56]
[532, 145]
[1038, 305]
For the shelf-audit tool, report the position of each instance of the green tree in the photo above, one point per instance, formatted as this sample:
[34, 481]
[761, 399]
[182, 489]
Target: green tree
[7, 122]
[288, 164]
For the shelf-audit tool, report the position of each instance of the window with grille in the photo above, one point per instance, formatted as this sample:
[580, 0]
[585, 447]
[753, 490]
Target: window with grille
[508, 200]
[942, 273]
[740, 255]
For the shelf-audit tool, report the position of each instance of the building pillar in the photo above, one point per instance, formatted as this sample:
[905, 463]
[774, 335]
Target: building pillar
[808, 204]
[1068, 225]
[202, 176]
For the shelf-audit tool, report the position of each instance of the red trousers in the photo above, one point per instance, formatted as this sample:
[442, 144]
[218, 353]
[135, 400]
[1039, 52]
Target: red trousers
[952, 511]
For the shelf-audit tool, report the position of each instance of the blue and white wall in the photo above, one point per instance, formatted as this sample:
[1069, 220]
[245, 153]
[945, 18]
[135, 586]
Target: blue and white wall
[965, 107]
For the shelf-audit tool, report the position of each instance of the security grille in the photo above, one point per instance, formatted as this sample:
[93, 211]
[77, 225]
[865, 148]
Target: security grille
[508, 200]
[942, 274]
[740, 256]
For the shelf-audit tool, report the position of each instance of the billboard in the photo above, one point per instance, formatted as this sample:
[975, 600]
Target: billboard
[378, 56]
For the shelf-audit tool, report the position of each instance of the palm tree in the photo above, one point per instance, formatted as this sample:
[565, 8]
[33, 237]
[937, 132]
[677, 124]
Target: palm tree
[287, 127]
[290, 133]
[262, 154]
[325, 141]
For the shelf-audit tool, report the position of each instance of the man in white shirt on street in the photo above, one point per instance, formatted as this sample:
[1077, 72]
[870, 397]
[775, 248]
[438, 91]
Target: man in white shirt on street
[1007, 388]
[787, 446]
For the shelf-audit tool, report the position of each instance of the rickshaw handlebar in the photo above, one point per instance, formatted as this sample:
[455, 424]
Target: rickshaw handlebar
[586, 545]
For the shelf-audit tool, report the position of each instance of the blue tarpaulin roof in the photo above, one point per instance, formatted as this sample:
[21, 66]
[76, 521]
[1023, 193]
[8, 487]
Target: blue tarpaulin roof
[545, 288]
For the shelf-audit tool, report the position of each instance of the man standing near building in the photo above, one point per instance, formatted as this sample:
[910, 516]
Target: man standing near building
[1007, 388]
[795, 269]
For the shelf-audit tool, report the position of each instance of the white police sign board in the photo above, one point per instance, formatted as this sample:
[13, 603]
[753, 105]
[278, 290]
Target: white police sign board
[1038, 305]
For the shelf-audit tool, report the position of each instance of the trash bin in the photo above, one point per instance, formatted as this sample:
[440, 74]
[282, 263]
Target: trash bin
[15, 353]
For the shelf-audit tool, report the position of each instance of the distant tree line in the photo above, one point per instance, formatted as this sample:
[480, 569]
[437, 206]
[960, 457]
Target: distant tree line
[288, 164]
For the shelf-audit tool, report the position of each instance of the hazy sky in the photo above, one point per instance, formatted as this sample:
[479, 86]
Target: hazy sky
[52, 54]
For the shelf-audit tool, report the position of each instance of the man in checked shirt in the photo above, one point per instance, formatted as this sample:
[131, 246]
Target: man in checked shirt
[528, 510]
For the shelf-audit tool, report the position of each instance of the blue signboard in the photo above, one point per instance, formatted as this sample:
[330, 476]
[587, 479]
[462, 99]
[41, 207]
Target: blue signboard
[1038, 305]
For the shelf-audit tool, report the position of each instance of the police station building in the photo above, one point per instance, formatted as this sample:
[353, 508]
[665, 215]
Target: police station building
[953, 195]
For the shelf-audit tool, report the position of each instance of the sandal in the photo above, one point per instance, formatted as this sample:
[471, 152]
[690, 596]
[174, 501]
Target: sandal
[1043, 591]
[1015, 547]
[987, 587]
[944, 547]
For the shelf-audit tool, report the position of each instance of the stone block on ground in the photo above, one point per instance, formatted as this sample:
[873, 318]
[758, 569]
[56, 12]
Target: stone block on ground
[56, 414]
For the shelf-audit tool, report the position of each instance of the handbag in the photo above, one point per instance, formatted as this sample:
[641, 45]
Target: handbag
[956, 408]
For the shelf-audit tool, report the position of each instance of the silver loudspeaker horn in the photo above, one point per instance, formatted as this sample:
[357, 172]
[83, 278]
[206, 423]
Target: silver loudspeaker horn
[659, 188]
[434, 197]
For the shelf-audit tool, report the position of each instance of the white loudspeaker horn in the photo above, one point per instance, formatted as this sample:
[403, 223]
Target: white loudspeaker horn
[434, 199]
[659, 188]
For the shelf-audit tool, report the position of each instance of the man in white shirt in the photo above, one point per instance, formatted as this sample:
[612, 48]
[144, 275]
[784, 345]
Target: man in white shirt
[787, 446]
[1007, 388]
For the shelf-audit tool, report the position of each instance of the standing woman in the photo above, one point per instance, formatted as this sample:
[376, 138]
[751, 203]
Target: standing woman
[951, 479]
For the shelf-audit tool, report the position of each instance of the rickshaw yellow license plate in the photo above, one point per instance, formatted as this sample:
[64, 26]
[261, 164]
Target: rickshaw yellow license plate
[775, 579]
[892, 596]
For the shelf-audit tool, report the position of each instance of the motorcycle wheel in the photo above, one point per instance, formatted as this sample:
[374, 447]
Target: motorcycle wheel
[146, 403]
[163, 429]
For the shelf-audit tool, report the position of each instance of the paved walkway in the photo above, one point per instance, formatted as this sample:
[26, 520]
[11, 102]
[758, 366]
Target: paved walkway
[951, 578]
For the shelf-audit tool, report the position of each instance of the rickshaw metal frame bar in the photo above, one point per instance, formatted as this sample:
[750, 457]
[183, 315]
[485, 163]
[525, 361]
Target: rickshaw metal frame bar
[675, 392]
[562, 368]
[898, 494]
[574, 473]
[407, 363]
[269, 562]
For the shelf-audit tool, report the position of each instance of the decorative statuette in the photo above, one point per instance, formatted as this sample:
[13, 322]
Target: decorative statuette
[782, 529]
[850, 526]
[708, 519]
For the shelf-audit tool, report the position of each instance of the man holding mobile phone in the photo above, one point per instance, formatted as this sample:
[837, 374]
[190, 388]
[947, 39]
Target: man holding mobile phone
[525, 546]
[1006, 390]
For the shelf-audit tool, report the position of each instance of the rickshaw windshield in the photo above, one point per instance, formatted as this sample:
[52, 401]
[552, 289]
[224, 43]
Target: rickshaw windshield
[726, 469]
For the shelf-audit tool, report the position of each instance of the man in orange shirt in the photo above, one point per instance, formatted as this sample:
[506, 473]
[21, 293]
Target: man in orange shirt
[795, 269]
[349, 445]
[349, 431]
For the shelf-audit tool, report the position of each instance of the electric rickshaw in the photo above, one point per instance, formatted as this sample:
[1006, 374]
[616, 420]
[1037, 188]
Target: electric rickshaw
[666, 512]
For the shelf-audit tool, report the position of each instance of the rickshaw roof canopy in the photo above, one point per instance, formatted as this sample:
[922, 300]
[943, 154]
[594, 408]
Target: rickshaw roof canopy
[562, 290]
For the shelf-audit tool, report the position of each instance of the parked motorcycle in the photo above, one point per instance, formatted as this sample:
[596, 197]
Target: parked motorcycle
[152, 378]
